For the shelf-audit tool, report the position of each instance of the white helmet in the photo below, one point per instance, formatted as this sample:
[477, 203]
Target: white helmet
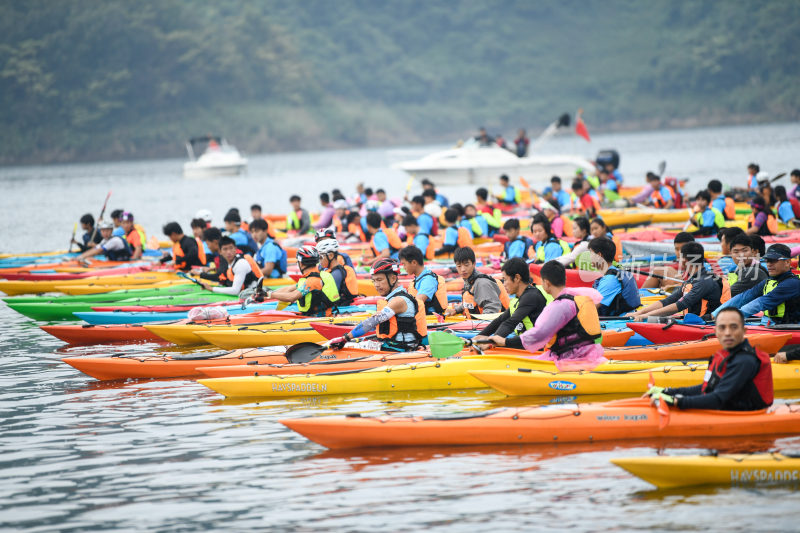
[204, 214]
[328, 246]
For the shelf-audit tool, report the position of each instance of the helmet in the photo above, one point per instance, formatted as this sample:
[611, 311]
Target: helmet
[328, 246]
[307, 255]
[105, 225]
[373, 205]
[386, 266]
[327, 233]
[340, 204]
[204, 214]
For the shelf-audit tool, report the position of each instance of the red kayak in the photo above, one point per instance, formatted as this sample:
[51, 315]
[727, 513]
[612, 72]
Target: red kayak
[88, 334]
[665, 333]
[582, 278]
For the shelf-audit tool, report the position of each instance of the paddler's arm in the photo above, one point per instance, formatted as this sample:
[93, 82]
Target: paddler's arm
[739, 372]
[240, 271]
[289, 294]
[97, 250]
[657, 306]
[555, 316]
[395, 307]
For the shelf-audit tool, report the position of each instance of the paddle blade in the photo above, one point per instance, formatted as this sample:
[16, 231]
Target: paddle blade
[663, 411]
[524, 182]
[652, 382]
[444, 344]
[304, 352]
[661, 168]
[692, 318]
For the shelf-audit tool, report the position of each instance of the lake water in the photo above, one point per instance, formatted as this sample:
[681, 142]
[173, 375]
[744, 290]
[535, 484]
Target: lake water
[79, 455]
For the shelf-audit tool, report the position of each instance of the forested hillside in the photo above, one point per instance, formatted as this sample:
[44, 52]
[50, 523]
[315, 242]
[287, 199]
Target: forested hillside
[87, 79]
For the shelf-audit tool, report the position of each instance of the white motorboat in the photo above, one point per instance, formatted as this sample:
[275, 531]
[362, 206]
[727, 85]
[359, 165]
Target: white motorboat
[217, 158]
[475, 164]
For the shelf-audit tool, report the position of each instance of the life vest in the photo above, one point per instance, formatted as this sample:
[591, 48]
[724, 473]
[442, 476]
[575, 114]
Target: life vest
[252, 276]
[475, 226]
[493, 220]
[706, 306]
[464, 238]
[293, 221]
[677, 193]
[730, 209]
[582, 329]
[336, 223]
[795, 206]
[619, 305]
[526, 241]
[439, 300]
[540, 246]
[416, 325]
[323, 297]
[770, 228]
[119, 255]
[136, 233]
[718, 365]
[513, 304]
[434, 223]
[659, 201]
[179, 256]
[348, 290]
[282, 265]
[719, 218]
[395, 243]
[429, 251]
[468, 297]
[787, 312]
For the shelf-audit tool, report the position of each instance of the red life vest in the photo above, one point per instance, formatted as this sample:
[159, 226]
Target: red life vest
[718, 364]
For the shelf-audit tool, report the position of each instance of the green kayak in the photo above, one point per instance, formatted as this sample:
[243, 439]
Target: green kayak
[49, 311]
[113, 296]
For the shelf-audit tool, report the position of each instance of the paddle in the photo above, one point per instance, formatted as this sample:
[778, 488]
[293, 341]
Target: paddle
[72, 239]
[102, 212]
[662, 166]
[444, 344]
[184, 275]
[663, 408]
[776, 178]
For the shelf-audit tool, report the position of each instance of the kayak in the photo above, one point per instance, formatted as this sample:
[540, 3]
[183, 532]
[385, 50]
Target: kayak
[660, 333]
[155, 367]
[702, 349]
[65, 311]
[617, 420]
[254, 338]
[580, 278]
[90, 334]
[91, 273]
[39, 287]
[524, 382]
[114, 296]
[121, 317]
[735, 469]
[454, 373]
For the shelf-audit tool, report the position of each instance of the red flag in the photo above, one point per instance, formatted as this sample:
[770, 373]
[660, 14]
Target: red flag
[580, 126]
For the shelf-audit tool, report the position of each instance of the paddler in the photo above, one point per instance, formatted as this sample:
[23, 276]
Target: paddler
[726, 236]
[778, 296]
[707, 219]
[556, 195]
[547, 246]
[663, 196]
[384, 241]
[568, 327]
[511, 195]
[720, 202]
[199, 227]
[427, 287]
[243, 239]
[455, 237]
[133, 234]
[668, 271]
[329, 233]
[316, 293]
[400, 321]
[415, 238]
[527, 303]
[298, 221]
[89, 234]
[517, 245]
[739, 376]
[582, 201]
[271, 258]
[331, 260]
[185, 250]
[217, 263]
[114, 247]
[578, 257]
[428, 185]
[761, 221]
[242, 273]
[481, 294]
[700, 292]
[618, 288]
[748, 272]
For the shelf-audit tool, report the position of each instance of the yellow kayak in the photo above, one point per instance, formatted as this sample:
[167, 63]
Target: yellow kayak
[126, 280]
[514, 382]
[735, 469]
[616, 218]
[93, 288]
[454, 373]
[188, 334]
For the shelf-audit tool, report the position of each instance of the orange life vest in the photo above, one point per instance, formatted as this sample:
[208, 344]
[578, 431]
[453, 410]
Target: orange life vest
[770, 228]
[348, 290]
[464, 238]
[439, 301]
[584, 326]
[429, 252]
[178, 254]
[253, 275]
[658, 200]
[395, 243]
[418, 325]
[468, 297]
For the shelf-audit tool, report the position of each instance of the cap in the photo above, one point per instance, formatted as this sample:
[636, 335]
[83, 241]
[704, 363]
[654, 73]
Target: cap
[340, 204]
[204, 214]
[776, 252]
[127, 216]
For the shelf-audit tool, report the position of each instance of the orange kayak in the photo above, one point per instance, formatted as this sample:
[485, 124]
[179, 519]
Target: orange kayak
[153, 366]
[617, 420]
[681, 351]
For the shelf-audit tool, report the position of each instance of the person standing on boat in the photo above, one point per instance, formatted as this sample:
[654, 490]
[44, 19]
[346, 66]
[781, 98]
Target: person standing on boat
[521, 143]
[618, 289]
[400, 321]
[481, 294]
[739, 376]
[526, 304]
[483, 138]
[568, 327]
[778, 296]
[298, 220]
